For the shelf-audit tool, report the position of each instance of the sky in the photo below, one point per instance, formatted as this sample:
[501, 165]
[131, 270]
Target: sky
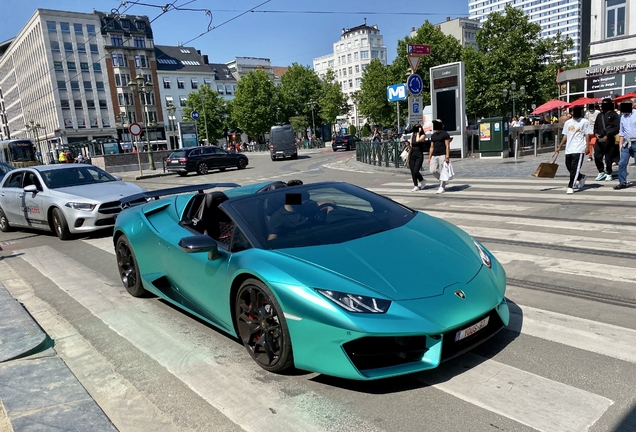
[285, 31]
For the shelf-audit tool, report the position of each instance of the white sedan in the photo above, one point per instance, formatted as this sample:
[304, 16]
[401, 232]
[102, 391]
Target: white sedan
[66, 198]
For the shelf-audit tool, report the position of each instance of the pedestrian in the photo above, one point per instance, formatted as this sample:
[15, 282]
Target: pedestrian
[79, 158]
[606, 127]
[590, 116]
[376, 138]
[576, 137]
[62, 157]
[416, 157]
[627, 141]
[439, 152]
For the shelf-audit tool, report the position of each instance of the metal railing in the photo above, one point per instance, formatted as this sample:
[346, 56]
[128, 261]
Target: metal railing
[384, 153]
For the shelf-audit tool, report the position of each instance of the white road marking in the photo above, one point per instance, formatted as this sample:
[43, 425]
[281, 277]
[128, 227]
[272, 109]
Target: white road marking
[571, 267]
[537, 402]
[606, 339]
[342, 166]
[484, 206]
[220, 382]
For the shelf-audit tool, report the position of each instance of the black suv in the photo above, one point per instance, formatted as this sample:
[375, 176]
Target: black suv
[203, 159]
[346, 142]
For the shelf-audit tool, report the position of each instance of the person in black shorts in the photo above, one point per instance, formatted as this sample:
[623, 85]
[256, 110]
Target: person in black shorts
[416, 157]
[439, 152]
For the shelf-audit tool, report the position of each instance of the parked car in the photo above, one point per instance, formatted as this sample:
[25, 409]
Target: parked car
[63, 198]
[318, 276]
[203, 159]
[282, 142]
[344, 142]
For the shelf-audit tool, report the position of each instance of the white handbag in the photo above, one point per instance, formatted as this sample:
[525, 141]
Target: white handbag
[405, 154]
[447, 172]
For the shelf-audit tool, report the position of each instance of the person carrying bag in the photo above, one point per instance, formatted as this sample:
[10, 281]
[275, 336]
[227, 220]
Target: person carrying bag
[439, 154]
[416, 157]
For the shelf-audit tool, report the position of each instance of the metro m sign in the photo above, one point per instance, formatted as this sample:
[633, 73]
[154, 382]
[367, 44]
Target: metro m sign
[396, 92]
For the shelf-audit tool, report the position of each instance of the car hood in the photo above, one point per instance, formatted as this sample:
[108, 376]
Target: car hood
[417, 260]
[101, 192]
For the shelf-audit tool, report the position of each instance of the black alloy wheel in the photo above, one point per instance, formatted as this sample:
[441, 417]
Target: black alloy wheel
[262, 328]
[60, 226]
[128, 269]
[241, 164]
[4, 222]
[202, 168]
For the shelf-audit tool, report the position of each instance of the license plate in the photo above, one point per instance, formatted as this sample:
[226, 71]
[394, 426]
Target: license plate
[279, 152]
[471, 330]
[174, 162]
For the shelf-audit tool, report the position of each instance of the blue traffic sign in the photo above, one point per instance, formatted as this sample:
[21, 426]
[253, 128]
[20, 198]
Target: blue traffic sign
[396, 92]
[415, 84]
[194, 115]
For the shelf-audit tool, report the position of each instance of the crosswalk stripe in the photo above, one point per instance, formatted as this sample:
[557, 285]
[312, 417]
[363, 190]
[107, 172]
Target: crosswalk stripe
[537, 402]
[606, 339]
[221, 383]
[570, 267]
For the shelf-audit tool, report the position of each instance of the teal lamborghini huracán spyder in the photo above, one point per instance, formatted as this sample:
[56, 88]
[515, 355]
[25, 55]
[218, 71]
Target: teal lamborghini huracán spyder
[325, 277]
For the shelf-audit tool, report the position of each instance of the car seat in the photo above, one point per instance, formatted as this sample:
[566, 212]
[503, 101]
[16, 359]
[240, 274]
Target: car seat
[210, 218]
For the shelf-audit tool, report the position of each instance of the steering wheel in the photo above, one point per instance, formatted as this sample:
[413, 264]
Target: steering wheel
[322, 211]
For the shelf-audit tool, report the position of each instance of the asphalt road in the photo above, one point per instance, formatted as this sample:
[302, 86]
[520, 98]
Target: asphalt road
[566, 362]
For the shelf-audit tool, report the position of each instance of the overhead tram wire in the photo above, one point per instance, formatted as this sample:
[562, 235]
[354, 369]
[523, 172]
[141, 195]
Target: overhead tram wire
[339, 12]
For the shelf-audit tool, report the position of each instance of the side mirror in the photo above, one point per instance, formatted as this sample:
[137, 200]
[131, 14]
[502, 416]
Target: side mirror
[117, 178]
[31, 188]
[200, 243]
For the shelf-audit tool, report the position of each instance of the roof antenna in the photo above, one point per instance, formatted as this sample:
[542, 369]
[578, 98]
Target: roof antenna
[365, 21]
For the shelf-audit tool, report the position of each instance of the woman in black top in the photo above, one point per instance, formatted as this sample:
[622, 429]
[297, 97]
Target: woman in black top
[416, 157]
[439, 152]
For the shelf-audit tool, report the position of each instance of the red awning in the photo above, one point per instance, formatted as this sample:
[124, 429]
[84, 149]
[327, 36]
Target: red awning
[549, 106]
[584, 101]
[625, 97]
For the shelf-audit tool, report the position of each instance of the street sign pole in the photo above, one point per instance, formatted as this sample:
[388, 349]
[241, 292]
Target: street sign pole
[398, 117]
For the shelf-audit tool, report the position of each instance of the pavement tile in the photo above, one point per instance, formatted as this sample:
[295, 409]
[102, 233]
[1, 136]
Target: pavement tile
[19, 333]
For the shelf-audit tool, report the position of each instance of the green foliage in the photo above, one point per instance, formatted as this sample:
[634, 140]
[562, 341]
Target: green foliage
[255, 103]
[298, 86]
[352, 130]
[212, 113]
[332, 102]
[366, 130]
[299, 123]
[444, 49]
[371, 98]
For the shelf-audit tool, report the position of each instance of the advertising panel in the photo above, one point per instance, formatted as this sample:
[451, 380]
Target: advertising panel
[187, 134]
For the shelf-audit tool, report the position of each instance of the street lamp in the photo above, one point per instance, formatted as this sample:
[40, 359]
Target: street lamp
[171, 110]
[513, 94]
[34, 128]
[140, 88]
[312, 103]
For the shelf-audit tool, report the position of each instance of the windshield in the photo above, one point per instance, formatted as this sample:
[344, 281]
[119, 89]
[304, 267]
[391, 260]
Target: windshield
[75, 176]
[177, 154]
[320, 214]
[4, 168]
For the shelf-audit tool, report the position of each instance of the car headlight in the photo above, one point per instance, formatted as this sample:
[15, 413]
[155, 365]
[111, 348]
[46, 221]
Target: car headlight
[356, 303]
[80, 206]
[485, 258]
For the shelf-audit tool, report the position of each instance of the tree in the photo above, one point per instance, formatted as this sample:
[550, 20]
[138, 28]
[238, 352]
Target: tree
[444, 49]
[371, 98]
[509, 49]
[558, 60]
[332, 101]
[299, 123]
[212, 112]
[298, 86]
[255, 103]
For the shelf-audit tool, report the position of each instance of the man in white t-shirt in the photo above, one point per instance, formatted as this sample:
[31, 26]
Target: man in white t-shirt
[576, 137]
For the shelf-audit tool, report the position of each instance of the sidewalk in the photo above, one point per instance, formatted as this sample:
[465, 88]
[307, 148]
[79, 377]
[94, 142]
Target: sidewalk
[38, 392]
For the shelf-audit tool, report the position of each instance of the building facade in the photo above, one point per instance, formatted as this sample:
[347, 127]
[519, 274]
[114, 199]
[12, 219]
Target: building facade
[53, 74]
[129, 46]
[463, 29]
[570, 17]
[352, 53]
[241, 66]
[612, 70]
[224, 80]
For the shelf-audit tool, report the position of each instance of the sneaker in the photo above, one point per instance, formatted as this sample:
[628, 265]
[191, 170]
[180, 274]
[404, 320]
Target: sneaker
[589, 159]
[570, 191]
[415, 189]
[422, 184]
[620, 186]
[609, 177]
[600, 176]
[582, 182]
[441, 190]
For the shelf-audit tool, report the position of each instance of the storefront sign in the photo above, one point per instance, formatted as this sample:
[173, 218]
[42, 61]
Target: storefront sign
[604, 82]
[603, 70]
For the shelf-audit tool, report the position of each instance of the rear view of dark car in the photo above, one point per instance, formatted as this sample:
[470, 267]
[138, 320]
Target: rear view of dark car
[282, 143]
[344, 142]
[203, 159]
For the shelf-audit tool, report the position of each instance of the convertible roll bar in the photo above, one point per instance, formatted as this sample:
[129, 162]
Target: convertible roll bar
[144, 197]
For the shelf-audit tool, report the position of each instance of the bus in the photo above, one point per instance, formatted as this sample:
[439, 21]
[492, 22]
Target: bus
[18, 152]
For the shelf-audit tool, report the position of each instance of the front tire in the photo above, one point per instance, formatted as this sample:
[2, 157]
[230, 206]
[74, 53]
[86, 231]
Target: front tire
[241, 164]
[60, 226]
[262, 328]
[4, 222]
[128, 268]
[202, 168]
[182, 173]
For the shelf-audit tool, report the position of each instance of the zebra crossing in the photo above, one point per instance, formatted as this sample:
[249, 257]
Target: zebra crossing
[506, 388]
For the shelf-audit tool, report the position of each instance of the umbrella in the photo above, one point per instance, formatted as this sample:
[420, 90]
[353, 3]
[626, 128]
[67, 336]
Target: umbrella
[549, 106]
[584, 101]
[625, 97]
